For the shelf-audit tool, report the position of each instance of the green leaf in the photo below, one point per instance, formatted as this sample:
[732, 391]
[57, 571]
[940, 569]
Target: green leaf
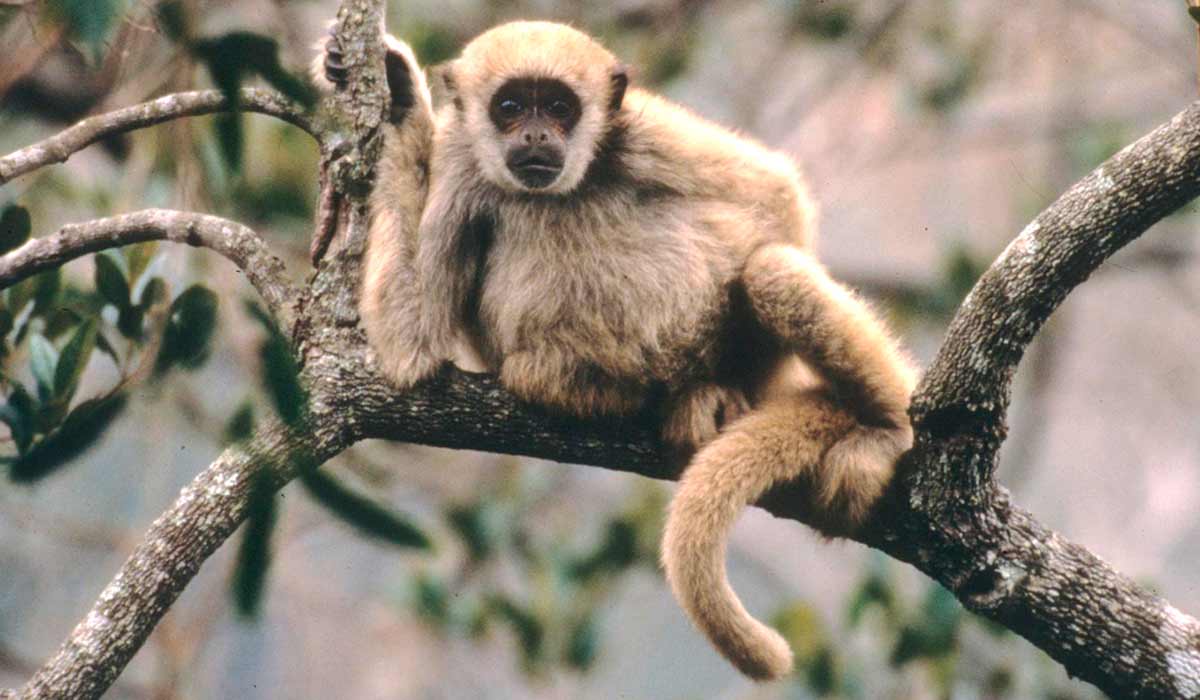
[934, 633]
[172, 17]
[801, 625]
[6, 326]
[129, 322]
[88, 20]
[237, 53]
[230, 58]
[46, 288]
[875, 589]
[111, 282]
[191, 322]
[154, 292]
[617, 551]
[104, 346]
[241, 424]
[582, 643]
[42, 290]
[73, 359]
[81, 429]
[476, 524]
[431, 599]
[18, 413]
[254, 553]
[531, 631]
[368, 516]
[281, 374]
[15, 226]
[43, 361]
[228, 128]
[825, 20]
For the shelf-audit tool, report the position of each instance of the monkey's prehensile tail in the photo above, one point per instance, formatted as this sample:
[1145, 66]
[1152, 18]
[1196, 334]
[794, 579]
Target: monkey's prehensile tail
[774, 444]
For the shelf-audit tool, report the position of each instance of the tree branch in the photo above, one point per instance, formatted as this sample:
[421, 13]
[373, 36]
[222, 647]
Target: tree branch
[58, 148]
[967, 386]
[233, 240]
[204, 515]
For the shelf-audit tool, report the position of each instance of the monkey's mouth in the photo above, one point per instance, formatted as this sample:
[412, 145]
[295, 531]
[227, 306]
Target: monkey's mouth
[535, 168]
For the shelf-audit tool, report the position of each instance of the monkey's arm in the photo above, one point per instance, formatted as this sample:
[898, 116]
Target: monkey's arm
[389, 300]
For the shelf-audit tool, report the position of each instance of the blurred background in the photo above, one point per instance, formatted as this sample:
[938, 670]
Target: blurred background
[932, 131]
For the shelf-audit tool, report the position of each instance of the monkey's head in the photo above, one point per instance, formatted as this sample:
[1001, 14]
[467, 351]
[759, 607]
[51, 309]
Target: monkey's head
[536, 99]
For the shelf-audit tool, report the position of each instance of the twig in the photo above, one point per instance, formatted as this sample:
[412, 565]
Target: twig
[58, 148]
[236, 242]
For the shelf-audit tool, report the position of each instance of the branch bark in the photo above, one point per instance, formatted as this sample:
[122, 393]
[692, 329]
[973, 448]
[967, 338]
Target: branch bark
[60, 147]
[206, 514]
[945, 514]
[236, 242]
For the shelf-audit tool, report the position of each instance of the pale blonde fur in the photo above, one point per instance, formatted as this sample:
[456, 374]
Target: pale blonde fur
[667, 268]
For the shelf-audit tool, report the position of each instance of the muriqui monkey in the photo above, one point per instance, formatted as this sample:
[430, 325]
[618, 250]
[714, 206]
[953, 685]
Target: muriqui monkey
[605, 250]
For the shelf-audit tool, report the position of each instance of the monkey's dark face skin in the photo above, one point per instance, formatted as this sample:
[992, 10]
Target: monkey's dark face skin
[535, 117]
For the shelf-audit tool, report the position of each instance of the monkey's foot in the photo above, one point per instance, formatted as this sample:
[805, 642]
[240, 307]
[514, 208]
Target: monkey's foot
[857, 469]
[410, 366]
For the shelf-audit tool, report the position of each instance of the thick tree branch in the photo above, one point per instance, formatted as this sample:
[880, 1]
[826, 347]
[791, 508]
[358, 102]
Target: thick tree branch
[58, 148]
[236, 242]
[967, 386]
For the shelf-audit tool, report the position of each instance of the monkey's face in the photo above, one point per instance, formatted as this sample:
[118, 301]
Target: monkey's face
[535, 118]
[533, 102]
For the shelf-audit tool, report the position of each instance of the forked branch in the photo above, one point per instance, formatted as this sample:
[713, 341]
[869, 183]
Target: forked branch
[233, 240]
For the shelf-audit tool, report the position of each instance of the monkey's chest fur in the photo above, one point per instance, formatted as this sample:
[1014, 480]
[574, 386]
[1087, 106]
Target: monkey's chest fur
[593, 311]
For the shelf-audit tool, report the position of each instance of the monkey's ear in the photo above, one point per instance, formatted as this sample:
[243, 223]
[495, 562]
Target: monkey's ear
[443, 77]
[620, 81]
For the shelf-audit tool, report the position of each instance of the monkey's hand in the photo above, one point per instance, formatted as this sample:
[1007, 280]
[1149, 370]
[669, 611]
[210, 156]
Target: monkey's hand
[406, 79]
[327, 71]
[696, 414]
[855, 471]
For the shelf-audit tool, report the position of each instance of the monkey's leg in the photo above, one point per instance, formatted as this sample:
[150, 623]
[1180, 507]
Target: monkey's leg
[554, 376]
[836, 332]
[778, 441]
[697, 413]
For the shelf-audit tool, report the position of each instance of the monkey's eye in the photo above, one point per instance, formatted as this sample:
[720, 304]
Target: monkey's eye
[559, 109]
[511, 107]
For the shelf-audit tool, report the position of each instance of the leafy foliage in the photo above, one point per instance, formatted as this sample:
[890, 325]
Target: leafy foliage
[231, 59]
[88, 20]
[50, 332]
[254, 552]
[830, 20]
[280, 373]
[240, 426]
[369, 517]
[557, 622]
[191, 323]
[15, 226]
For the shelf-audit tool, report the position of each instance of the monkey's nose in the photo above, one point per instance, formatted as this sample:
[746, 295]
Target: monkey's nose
[542, 137]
